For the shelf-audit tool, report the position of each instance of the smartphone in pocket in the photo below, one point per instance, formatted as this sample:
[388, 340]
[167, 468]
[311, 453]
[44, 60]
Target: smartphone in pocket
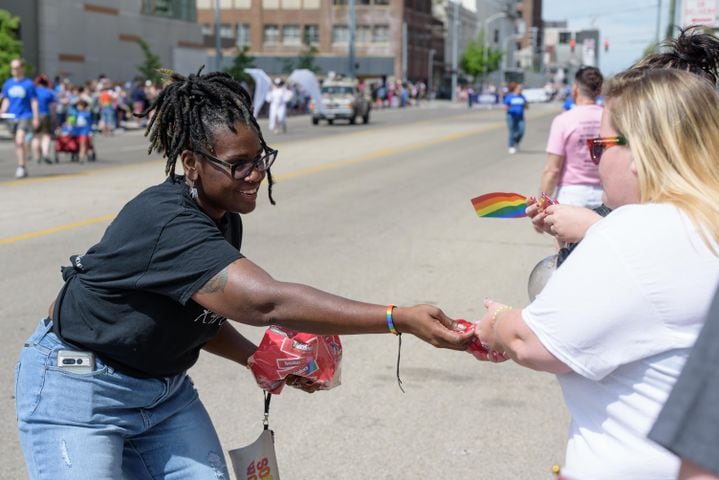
[76, 361]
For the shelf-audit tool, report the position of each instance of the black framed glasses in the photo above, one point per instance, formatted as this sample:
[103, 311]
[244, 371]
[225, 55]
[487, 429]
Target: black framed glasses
[240, 170]
[598, 145]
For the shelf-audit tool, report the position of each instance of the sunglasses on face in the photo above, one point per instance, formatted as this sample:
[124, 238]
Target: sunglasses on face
[240, 170]
[598, 145]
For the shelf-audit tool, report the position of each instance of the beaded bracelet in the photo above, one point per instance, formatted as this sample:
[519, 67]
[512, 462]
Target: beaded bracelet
[496, 313]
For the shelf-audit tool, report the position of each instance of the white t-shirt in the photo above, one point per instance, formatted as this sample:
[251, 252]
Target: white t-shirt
[622, 312]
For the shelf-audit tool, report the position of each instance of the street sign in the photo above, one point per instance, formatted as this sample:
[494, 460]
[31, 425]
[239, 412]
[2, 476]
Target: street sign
[699, 12]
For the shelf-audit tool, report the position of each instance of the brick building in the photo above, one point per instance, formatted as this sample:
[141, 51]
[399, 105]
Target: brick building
[274, 31]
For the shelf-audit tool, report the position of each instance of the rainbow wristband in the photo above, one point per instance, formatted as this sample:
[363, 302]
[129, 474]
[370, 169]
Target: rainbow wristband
[390, 323]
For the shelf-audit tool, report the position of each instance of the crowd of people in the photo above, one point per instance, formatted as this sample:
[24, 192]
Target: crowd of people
[615, 323]
[39, 112]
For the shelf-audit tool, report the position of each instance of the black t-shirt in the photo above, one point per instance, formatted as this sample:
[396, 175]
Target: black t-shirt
[128, 297]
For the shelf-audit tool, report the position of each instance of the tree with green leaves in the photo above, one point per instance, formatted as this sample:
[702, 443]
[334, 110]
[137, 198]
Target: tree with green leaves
[10, 44]
[306, 59]
[241, 61]
[150, 68]
[473, 58]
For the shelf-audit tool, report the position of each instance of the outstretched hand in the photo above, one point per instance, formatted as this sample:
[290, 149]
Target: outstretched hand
[432, 325]
[484, 332]
[569, 223]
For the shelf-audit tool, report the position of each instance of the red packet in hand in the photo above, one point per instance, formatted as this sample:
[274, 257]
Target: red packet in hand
[284, 352]
[475, 346]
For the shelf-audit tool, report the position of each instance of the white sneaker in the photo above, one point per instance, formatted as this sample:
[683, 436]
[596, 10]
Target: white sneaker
[512, 150]
[21, 172]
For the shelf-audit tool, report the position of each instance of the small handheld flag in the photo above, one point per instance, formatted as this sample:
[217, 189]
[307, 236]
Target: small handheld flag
[500, 205]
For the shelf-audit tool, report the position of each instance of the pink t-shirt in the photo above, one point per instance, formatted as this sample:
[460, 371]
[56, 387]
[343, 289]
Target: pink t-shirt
[568, 138]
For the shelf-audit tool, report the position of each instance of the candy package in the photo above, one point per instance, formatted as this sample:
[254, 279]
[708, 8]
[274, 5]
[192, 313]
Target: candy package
[475, 346]
[284, 352]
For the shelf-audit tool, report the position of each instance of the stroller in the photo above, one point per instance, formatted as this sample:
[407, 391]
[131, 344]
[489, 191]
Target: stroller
[66, 142]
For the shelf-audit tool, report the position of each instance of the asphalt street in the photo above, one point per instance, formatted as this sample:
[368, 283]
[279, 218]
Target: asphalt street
[377, 212]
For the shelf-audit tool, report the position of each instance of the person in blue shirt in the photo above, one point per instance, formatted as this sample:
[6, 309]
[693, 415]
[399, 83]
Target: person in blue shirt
[19, 100]
[46, 107]
[515, 103]
[83, 129]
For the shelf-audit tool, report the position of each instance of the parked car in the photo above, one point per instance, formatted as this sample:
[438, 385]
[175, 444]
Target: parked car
[341, 99]
[536, 95]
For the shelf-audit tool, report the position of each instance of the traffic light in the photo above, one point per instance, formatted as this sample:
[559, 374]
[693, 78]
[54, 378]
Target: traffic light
[572, 44]
[606, 45]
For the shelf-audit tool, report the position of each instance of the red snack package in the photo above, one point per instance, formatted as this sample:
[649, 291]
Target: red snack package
[475, 346]
[284, 352]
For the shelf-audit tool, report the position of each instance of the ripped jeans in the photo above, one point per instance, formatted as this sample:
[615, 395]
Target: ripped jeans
[108, 425]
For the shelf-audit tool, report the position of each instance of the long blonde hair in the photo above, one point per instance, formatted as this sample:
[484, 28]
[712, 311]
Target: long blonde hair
[670, 119]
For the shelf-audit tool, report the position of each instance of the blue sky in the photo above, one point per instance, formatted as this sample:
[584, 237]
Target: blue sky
[630, 26]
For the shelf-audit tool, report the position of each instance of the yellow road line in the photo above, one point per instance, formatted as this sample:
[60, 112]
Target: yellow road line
[384, 152]
[57, 229]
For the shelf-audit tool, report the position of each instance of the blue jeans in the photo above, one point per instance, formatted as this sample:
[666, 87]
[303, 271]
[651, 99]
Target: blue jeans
[108, 425]
[516, 129]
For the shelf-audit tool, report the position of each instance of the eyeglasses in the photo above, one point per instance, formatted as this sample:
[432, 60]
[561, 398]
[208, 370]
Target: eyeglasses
[598, 145]
[240, 170]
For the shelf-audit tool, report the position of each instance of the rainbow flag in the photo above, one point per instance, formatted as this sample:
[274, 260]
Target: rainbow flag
[500, 205]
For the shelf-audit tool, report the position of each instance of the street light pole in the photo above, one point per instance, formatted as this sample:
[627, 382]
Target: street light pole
[351, 46]
[487, 21]
[455, 34]
[430, 72]
[503, 67]
[218, 41]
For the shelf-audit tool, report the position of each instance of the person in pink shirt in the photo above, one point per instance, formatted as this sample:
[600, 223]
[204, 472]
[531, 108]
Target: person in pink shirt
[569, 173]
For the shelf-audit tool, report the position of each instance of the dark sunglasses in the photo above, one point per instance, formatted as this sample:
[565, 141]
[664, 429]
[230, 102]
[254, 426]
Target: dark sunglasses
[240, 170]
[598, 145]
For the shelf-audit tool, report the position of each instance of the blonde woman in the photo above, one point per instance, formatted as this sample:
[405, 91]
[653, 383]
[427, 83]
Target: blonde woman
[616, 321]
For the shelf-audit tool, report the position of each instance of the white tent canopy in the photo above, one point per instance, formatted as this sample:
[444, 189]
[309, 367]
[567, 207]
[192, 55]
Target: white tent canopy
[263, 82]
[308, 84]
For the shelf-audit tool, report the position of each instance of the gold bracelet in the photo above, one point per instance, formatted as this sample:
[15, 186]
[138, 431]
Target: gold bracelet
[496, 313]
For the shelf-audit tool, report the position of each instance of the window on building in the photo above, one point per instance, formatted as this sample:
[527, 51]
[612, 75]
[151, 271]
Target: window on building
[271, 35]
[207, 29]
[339, 2]
[227, 30]
[496, 35]
[179, 9]
[363, 34]
[312, 34]
[204, 4]
[340, 34]
[381, 2]
[564, 37]
[291, 35]
[361, 2]
[311, 4]
[243, 34]
[380, 34]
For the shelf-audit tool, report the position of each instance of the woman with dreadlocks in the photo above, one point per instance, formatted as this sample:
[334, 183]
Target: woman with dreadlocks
[102, 388]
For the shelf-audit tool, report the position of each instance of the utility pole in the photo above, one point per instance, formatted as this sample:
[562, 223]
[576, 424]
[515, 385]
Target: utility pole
[351, 48]
[485, 50]
[455, 34]
[659, 21]
[672, 15]
[404, 51]
[430, 71]
[218, 40]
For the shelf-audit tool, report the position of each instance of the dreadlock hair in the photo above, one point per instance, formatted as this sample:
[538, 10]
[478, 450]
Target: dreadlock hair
[190, 109]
